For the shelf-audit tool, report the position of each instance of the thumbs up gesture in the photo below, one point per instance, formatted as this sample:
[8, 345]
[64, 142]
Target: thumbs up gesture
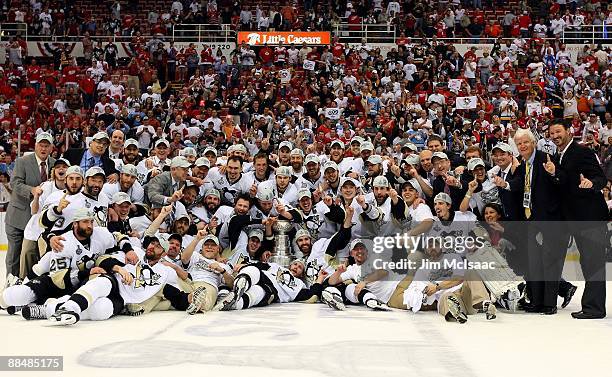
[63, 203]
[585, 183]
[549, 166]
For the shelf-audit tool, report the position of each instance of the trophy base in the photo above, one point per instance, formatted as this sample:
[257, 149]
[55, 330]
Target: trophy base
[282, 260]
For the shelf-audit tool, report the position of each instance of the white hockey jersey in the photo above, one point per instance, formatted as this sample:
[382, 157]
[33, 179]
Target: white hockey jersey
[76, 256]
[99, 206]
[136, 192]
[287, 286]
[229, 191]
[199, 270]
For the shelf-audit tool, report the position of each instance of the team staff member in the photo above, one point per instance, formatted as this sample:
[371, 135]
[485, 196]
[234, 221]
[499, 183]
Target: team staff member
[542, 209]
[581, 179]
[30, 171]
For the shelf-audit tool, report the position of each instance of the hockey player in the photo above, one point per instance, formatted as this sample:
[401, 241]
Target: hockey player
[262, 171]
[205, 271]
[262, 284]
[442, 281]
[204, 211]
[331, 181]
[74, 256]
[127, 183]
[310, 217]
[313, 177]
[282, 187]
[229, 180]
[60, 206]
[132, 289]
[320, 254]
[373, 289]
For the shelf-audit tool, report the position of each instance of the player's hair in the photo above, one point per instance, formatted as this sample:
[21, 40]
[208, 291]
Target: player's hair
[243, 196]
[236, 158]
[261, 155]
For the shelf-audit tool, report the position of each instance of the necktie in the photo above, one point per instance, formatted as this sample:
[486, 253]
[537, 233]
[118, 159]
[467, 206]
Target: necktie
[90, 163]
[43, 171]
[528, 189]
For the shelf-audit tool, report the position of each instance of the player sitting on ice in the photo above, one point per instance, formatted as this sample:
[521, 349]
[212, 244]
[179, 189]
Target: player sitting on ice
[262, 284]
[441, 280]
[73, 257]
[207, 274]
[349, 284]
[136, 288]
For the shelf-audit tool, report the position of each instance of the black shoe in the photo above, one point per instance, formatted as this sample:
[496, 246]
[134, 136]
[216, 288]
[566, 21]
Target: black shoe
[548, 310]
[584, 315]
[567, 297]
[533, 309]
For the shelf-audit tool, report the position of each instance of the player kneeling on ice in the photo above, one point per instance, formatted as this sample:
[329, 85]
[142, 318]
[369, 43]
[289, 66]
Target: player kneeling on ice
[261, 284]
[441, 280]
[206, 273]
[142, 286]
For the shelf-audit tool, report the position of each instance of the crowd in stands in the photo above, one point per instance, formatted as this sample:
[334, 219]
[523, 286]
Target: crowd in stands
[412, 18]
[265, 95]
[206, 139]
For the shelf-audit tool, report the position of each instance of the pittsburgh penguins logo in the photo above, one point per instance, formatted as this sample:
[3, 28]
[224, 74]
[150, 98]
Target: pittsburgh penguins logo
[228, 194]
[312, 270]
[87, 262]
[100, 214]
[284, 278]
[145, 276]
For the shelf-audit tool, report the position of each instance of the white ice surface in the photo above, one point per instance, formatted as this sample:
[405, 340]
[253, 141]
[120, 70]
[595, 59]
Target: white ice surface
[311, 340]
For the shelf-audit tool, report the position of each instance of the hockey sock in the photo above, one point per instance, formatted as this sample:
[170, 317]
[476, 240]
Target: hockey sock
[251, 297]
[178, 299]
[349, 292]
[365, 295]
[88, 294]
[99, 310]
[18, 295]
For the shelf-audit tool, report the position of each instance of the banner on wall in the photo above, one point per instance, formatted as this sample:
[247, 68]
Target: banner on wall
[259, 38]
[44, 49]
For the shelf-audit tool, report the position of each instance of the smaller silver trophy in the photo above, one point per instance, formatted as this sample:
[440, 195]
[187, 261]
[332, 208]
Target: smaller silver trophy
[283, 254]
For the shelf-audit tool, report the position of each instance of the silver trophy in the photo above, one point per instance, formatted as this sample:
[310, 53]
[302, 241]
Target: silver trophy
[283, 254]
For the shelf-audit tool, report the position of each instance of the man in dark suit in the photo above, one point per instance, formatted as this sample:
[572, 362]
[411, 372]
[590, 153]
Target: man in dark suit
[30, 171]
[541, 202]
[95, 155]
[581, 179]
[166, 188]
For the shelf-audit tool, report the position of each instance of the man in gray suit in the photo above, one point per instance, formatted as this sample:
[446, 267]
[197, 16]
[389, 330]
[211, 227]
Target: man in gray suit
[167, 187]
[30, 171]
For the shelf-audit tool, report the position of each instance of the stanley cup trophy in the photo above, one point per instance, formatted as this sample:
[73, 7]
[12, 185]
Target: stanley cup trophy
[283, 254]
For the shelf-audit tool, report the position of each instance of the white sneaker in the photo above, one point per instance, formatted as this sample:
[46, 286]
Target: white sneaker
[376, 304]
[227, 303]
[489, 309]
[198, 300]
[454, 308]
[132, 310]
[12, 280]
[333, 300]
[63, 317]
